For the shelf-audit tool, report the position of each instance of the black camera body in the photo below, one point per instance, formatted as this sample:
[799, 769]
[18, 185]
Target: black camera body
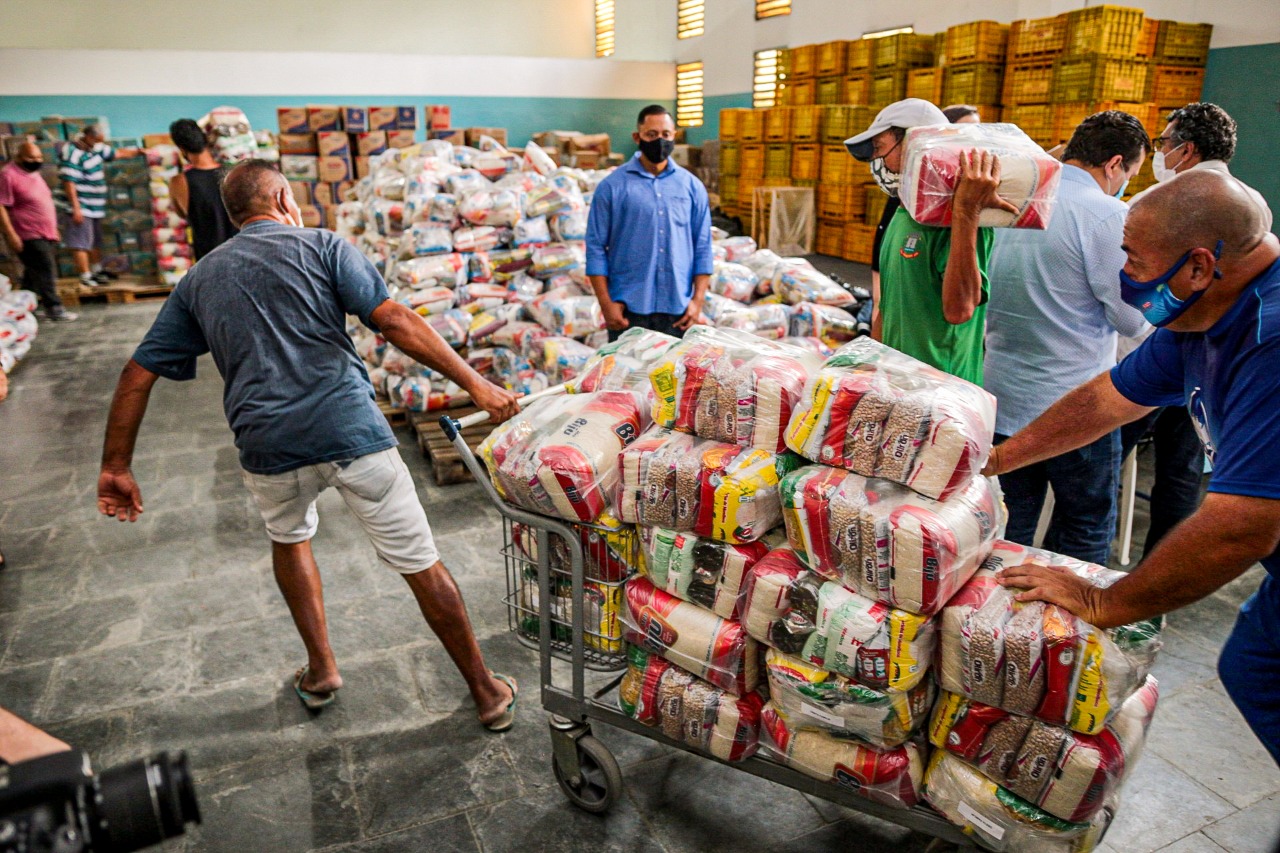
[56, 804]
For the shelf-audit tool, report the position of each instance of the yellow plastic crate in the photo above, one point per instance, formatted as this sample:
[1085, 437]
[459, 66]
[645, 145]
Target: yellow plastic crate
[751, 126]
[828, 91]
[843, 202]
[973, 84]
[777, 124]
[1100, 78]
[728, 189]
[840, 123]
[830, 238]
[829, 58]
[1067, 116]
[798, 93]
[1183, 44]
[1147, 39]
[839, 167]
[858, 241]
[860, 55]
[1106, 30]
[903, 51]
[752, 163]
[1028, 83]
[730, 123]
[1036, 121]
[857, 89]
[777, 160]
[800, 62]
[1176, 84]
[976, 42]
[730, 158]
[887, 88]
[874, 201]
[925, 83]
[806, 161]
[1037, 38]
[806, 123]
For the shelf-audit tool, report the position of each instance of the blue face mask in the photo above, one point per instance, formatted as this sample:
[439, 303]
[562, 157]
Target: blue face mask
[1154, 298]
[1120, 192]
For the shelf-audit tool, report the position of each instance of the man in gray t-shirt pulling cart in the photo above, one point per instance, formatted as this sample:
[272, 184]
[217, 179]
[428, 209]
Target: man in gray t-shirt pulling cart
[270, 305]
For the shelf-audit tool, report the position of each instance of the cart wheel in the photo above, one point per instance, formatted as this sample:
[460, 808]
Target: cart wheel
[600, 779]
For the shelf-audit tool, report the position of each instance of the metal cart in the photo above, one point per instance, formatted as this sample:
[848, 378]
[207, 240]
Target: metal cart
[558, 595]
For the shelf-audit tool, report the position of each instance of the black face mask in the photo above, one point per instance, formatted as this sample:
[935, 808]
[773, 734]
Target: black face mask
[657, 150]
[30, 165]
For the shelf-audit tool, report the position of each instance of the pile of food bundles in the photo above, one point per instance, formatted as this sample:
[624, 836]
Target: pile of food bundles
[816, 583]
[18, 324]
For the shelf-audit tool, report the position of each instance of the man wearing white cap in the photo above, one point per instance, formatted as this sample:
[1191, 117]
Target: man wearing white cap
[933, 281]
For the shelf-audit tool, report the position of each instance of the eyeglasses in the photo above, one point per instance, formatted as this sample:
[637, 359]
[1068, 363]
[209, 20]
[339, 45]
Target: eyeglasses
[1159, 142]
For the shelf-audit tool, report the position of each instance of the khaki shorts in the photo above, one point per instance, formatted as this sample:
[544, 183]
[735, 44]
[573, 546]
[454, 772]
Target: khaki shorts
[377, 488]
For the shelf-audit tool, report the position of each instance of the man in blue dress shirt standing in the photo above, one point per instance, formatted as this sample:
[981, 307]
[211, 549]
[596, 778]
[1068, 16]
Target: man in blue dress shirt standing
[649, 236]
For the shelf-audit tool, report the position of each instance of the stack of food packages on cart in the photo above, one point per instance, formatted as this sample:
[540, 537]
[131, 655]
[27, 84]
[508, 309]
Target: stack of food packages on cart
[817, 580]
[169, 241]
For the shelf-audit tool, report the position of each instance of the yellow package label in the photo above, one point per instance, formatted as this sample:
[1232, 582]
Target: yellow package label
[663, 380]
[600, 618]
[904, 627]
[801, 428]
[1091, 708]
[486, 453]
[736, 493]
[945, 712]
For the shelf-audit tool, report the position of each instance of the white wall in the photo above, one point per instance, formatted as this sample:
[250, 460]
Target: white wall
[733, 34]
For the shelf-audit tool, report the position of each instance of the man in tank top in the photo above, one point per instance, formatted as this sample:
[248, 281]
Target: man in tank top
[195, 191]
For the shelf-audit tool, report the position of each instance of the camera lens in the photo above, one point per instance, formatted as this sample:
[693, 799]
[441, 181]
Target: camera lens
[144, 802]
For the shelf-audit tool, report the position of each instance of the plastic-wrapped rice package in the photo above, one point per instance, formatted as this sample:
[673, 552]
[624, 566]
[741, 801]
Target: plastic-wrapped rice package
[523, 287]
[443, 208]
[467, 180]
[762, 320]
[537, 159]
[729, 385]
[568, 316]
[764, 263]
[495, 163]
[557, 258]
[793, 610]
[416, 394]
[886, 542]
[452, 325]
[481, 238]
[507, 263]
[931, 170]
[704, 571]
[721, 491]
[607, 550]
[798, 284]
[430, 300]
[427, 238]
[445, 270]
[880, 413]
[1037, 659]
[514, 372]
[835, 326]
[563, 358]
[570, 224]
[816, 344]
[737, 248]
[658, 693]
[490, 207]
[715, 307]
[532, 232]
[398, 363]
[889, 776]
[479, 267]
[520, 336]
[1069, 775]
[718, 253]
[694, 639]
[1002, 821]
[479, 297]
[378, 379]
[602, 603]
[624, 363]
[734, 281]
[811, 698]
[551, 197]
[559, 456]
[371, 348]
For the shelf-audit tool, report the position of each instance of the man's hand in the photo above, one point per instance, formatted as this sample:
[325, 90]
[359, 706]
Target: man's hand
[979, 180]
[498, 402]
[614, 319]
[992, 468]
[1055, 585]
[77, 216]
[119, 495]
[691, 316]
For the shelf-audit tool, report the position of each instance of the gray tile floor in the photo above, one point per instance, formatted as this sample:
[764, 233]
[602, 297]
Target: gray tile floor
[169, 633]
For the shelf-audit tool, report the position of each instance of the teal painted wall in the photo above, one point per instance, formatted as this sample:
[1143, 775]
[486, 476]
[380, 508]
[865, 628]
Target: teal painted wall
[711, 108]
[1245, 81]
[136, 115]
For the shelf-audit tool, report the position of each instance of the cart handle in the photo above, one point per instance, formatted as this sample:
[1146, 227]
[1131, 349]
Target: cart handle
[452, 426]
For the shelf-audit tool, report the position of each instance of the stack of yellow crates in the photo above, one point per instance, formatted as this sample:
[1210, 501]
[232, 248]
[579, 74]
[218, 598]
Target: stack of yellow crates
[974, 56]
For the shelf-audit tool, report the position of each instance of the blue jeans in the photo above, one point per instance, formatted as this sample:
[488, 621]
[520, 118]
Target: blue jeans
[1250, 664]
[1085, 482]
[664, 323]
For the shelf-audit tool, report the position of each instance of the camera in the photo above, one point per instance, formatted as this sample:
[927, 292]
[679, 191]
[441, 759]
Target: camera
[57, 804]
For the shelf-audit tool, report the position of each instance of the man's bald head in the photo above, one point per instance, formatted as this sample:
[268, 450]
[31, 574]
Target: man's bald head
[1195, 211]
[29, 151]
[253, 188]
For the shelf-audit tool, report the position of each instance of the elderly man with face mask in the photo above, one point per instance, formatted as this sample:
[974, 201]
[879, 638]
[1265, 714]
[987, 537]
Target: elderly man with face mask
[270, 304]
[29, 225]
[1200, 267]
[933, 281]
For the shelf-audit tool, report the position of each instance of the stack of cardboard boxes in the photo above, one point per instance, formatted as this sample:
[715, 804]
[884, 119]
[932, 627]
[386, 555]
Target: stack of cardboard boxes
[128, 244]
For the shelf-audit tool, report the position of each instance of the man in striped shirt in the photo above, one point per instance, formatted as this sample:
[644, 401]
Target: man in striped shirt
[84, 201]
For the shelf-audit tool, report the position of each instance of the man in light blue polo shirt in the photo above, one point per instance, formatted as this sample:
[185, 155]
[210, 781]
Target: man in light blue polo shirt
[649, 236]
[1051, 325]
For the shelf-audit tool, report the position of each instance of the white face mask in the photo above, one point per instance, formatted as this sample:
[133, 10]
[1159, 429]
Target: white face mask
[1159, 169]
[887, 180]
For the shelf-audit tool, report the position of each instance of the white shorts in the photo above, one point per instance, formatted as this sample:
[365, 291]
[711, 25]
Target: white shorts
[377, 488]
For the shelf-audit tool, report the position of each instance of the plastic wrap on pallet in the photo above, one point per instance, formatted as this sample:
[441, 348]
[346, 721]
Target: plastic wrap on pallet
[886, 542]
[721, 491]
[686, 708]
[811, 698]
[931, 171]
[891, 777]
[692, 638]
[1037, 659]
[697, 569]
[880, 413]
[559, 456]
[728, 385]
[791, 609]
[1002, 821]
[1069, 775]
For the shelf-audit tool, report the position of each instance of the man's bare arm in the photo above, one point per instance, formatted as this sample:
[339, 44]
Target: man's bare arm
[21, 741]
[118, 493]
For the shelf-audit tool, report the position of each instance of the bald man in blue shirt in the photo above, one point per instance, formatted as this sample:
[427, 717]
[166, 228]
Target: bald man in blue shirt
[649, 236]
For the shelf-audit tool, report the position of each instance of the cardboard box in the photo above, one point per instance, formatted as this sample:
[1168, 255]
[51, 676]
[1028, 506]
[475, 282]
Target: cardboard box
[597, 142]
[499, 134]
[333, 143]
[400, 138]
[332, 168]
[437, 117]
[322, 194]
[587, 160]
[297, 143]
[303, 192]
[340, 190]
[312, 216]
[453, 137]
[406, 118]
[151, 140]
[383, 118]
[362, 167]
[331, 218]
[323, 118]
[355, 119]
[300, 167]
[292, 120]
[372, 142]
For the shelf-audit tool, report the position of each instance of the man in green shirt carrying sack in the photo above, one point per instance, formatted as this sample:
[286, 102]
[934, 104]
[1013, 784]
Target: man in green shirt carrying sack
[933, 281]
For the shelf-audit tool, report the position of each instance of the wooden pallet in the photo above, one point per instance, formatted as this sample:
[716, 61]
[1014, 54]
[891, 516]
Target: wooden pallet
[126, 290]
[446, 464]
[394, 415]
